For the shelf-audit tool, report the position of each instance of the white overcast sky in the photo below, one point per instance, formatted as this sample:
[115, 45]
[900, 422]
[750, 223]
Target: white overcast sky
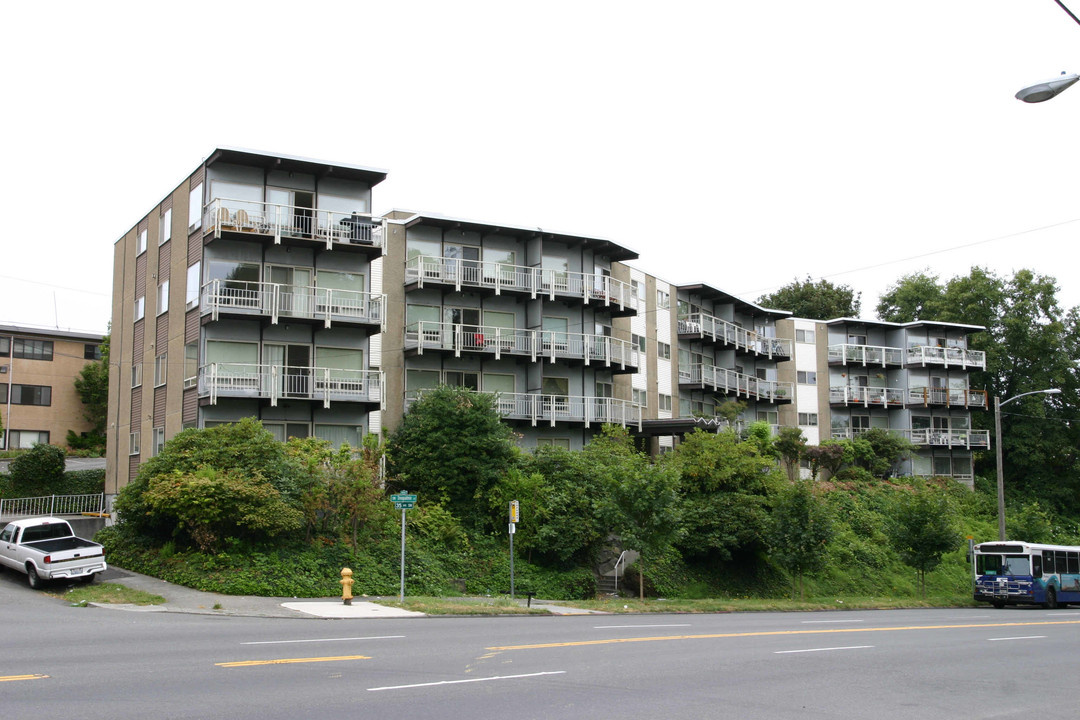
[742, 144]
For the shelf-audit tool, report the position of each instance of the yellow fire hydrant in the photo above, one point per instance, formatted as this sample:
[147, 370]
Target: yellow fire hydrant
[346, 586]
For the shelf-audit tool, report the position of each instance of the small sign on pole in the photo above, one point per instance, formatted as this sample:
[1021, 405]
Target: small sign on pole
[403, 501]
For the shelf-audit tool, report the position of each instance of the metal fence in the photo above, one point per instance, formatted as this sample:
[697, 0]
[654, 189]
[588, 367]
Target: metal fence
[53, 505]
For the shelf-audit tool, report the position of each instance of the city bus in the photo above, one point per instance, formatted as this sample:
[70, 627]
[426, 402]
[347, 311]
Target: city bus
[1021, 573]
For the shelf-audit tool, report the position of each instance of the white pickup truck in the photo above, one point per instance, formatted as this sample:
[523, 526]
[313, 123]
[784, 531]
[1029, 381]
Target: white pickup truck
[45, 548]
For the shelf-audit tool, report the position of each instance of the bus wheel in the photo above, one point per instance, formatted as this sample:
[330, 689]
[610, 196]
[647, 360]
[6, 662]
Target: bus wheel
[1051, 599]
[998, 604]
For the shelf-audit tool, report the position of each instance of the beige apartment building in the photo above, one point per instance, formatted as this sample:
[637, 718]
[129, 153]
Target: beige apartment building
[265, 286]
[38, 369]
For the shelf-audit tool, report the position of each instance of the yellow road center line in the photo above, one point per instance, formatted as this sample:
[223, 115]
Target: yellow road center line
[823, 631]
[289, 661]
[9, 678]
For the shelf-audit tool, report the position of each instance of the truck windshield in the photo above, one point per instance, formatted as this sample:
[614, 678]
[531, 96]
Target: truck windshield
[1003, 565]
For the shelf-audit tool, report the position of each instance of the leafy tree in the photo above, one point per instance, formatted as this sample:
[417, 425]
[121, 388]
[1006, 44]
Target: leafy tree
[452, 447]
[38, 471]
[923, 529]
[800, 529]
[92, 385]
[829, 456]
[878, 451]
[790, 445]
[1030, 524]
[917, 296]
[818, 300]
[724, 487]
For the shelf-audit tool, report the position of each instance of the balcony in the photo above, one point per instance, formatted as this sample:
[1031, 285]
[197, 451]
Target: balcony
[275, 301]
[278, 382]
[551, 409]
[866, 355]
[618, 355]
[498, 278]
[925, 355]
[271, 221]
[709, 377]
[906, 397]
[700, 326]
[926, 437]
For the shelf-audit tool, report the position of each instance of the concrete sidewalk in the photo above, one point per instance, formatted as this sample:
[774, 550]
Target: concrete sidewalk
[187, 600]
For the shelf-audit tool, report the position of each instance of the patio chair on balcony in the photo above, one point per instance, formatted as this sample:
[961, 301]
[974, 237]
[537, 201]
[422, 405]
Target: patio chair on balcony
[225, 219]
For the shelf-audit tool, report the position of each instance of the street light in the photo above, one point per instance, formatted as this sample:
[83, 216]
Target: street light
[997, 441]
[1043, 91]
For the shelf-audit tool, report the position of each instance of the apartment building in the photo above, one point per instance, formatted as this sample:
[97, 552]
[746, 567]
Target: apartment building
[38, 369]
[264, 286]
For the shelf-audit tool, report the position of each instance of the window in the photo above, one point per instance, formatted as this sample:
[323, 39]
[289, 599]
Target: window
[191, 364]
[159, 440]
[133, 443]
[165, 234]
[808, 419]
[804, 336]
[163, 297]
[563, 443]
[136, 375]
[806, 377]
[663, 349]
[663, 300]
[140, 308]
[194, 277]
[338, 435]
[468, 380]
[31, 395]
[26, 439]
[641, 397]
[161, 364]
[33, 349]
[5, 347]
[856, 339]
[638, 341]
[194, 213]
[665, 403]
[637, 289]
[91, 351]
[140, 243]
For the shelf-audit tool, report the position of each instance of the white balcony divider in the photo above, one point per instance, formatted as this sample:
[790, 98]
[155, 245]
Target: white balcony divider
[497, 276]
[292, 301]
[552, 345]
[717, 378]
[728, 332]
[276, 382]
[290, 221]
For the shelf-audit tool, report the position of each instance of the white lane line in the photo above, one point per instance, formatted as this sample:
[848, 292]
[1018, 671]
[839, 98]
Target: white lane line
[1024, 637]
[1061, 614]
[969, 617]
[470, 680]
[849, 647]
[818, 622]
[316, 640]
[634, 627]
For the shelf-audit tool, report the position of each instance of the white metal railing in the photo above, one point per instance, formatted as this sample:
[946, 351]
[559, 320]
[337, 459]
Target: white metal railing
[948, 357]
[977, 439]
[292, 301]
[710, 376]
[906, 397]
[535, 344]
[866, 354]
[550, 409]
[537, 282]
[276, 382]
[291, 221]
[53, 505]
[729, 333]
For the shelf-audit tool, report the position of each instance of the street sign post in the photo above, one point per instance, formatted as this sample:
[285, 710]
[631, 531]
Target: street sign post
[403, 501]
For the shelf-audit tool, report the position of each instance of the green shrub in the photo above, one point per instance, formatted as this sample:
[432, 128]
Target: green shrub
[40, 471]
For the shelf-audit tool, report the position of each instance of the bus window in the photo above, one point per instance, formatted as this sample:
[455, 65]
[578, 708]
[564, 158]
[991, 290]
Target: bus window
[1048, 562]
[1016, 565]
[988, 564]
[1061, 564]
[1074, 562]
[1036, 566]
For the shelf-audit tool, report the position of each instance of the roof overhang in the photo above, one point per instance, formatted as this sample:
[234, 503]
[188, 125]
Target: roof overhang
[708, 292]
[289, 163]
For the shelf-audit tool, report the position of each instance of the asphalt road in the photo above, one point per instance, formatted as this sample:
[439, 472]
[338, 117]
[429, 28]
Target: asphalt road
[62, 661]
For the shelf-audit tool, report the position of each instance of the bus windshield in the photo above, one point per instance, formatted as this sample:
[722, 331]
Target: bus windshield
[1003, 565]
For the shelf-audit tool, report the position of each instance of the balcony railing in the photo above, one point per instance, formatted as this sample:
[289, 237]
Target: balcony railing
[276, 301]
[537, 282]
[866, 355]
[723, 331]
[970, 439]
[947, 357]
[278, 382]
[716, 378]
[535, 344]
[550, 409]
[290, 221]
[906, 397]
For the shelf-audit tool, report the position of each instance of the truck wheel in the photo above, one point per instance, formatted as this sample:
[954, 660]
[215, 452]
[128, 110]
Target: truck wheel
[1051, 599]
[32, 577]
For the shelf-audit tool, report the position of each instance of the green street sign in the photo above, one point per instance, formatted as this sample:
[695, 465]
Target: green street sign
[403, 498]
